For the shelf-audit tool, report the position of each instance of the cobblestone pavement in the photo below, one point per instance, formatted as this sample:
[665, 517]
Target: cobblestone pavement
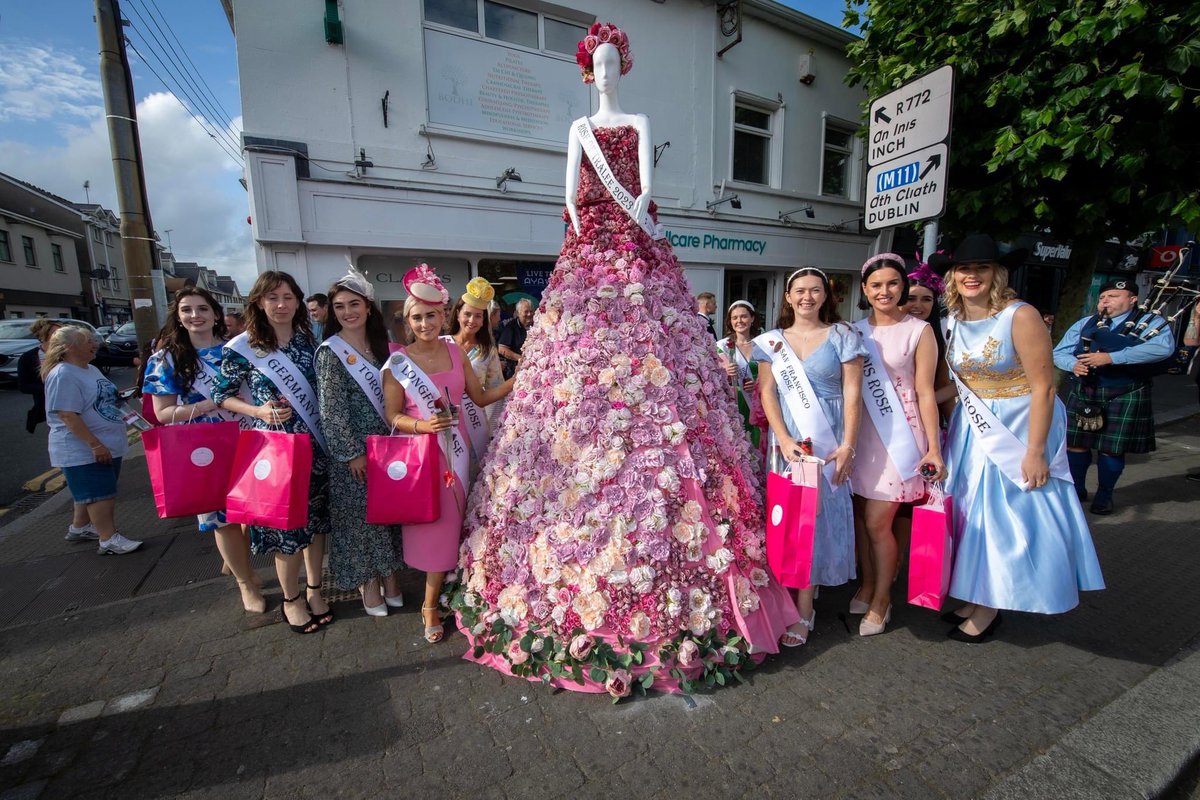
[178, 693]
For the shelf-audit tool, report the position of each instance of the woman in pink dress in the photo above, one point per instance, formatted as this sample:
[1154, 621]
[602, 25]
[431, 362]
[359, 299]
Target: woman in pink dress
[420, 385]
[898, 393]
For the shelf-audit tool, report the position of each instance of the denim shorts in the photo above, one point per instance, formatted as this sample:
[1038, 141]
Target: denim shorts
[91, 483]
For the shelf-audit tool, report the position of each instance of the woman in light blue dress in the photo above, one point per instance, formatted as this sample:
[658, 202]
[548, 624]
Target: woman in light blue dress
[830, 353]
[1022, 542]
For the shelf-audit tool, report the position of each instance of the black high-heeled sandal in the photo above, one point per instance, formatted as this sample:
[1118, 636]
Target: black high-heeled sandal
[311, 626]
[327, 617]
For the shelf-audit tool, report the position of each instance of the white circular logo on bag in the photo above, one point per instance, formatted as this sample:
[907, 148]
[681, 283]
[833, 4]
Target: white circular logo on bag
[776, 514]
[397, 470]
[262, 468]
[202, 456]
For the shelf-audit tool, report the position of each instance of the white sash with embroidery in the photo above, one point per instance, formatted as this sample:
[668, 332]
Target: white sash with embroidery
[424, 392]
[288, 379]
[204, 383]
[797, 391]
[477, 424]
[587, 137]
[884, 409]
[1000, 444]
[364, 374]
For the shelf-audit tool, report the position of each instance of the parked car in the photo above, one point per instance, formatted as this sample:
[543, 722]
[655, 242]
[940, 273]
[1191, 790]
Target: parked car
[105, 330]
[16, 339]
[122, 346]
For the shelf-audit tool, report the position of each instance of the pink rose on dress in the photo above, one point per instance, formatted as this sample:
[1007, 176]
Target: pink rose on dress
[619, 683]
[688, 653]
[581, 647]
[590, 43]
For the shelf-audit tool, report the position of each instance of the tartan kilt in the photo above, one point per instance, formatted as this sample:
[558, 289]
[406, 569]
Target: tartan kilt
[1128, 419]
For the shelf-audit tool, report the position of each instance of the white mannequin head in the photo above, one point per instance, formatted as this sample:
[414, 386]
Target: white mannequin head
[606, 65]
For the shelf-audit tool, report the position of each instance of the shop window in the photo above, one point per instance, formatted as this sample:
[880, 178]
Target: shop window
[5, 247]
[563, 37]
[839, 160]
[755, 141]
[513, 280]
[508, 23]
[455, 13]
[56, 254]
[30, 253]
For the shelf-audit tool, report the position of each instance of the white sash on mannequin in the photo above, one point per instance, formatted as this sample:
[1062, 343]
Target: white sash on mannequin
[1000, 444]
[418, 386]
[360, 369]
[885, 410]
[288, 379]
[797, 391]
[587, 137]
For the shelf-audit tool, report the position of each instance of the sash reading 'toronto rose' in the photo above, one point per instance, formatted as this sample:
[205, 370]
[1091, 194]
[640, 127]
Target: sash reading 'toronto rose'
[360, 369]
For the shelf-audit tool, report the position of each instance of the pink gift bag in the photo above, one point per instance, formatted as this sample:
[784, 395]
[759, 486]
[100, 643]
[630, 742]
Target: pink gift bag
[931, 551]
[189, 466]
[402, 479]
[270, 480]
[792, 506]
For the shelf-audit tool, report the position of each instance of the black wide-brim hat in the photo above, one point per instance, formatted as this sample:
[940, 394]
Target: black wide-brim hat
[976, 248]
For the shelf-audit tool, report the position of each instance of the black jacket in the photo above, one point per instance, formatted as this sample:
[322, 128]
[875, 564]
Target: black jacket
[29, 381]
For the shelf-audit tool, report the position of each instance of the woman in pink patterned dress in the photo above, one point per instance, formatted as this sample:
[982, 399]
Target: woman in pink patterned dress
[901, 361]
[615, 537]
[423, 382]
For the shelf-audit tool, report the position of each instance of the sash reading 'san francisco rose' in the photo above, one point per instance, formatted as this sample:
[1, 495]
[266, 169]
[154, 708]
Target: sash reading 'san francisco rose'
[797, 391]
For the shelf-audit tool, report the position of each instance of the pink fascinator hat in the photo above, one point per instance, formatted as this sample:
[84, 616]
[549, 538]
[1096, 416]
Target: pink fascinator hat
[423, 283]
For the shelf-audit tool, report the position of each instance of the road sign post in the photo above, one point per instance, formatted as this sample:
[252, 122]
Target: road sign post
[908, 151]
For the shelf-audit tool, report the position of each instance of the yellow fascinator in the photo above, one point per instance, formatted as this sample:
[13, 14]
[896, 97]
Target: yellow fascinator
[479, 293]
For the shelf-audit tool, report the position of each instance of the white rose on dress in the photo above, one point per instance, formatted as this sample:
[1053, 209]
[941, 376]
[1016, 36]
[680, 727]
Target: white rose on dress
[720, 560]
[642, 577]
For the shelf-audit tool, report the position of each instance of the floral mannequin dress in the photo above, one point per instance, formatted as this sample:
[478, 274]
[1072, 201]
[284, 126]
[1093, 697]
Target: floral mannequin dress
[615, 535]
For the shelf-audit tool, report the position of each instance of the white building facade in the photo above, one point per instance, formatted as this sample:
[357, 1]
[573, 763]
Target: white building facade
[390, 143]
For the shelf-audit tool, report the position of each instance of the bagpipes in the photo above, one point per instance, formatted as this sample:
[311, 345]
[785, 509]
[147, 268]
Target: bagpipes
[1150, 318]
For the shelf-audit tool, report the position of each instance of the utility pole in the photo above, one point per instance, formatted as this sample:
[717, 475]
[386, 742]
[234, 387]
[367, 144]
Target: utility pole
[137, 243]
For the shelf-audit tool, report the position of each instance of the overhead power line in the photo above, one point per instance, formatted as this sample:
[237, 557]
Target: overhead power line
[204, 94]
[222, 143]
[184, 85]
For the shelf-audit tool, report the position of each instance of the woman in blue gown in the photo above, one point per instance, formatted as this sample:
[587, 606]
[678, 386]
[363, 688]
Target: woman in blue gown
[810, 335]
[1022, 542]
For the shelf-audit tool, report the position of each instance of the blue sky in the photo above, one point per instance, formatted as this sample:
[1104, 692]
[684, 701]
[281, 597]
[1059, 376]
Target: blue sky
[52, 130]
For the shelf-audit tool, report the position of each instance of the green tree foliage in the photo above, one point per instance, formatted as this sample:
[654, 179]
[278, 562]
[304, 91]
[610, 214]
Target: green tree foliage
[1081, 116]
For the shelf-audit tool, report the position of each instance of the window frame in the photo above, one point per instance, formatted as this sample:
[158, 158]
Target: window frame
[775, 111]
[853, 176]
[56, 257]
[29, 249]
[582, 21]
[5, 247]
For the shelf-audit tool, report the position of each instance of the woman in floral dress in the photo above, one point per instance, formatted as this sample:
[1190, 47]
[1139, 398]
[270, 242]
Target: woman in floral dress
[178, 379]
[350, 392]
[277, 321]
[615, 538]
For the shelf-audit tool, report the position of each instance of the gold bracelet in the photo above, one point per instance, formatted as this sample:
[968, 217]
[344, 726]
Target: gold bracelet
[415, 423]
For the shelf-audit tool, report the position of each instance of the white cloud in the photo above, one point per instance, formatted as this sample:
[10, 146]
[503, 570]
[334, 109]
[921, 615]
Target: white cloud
[37, 83]
[192, 184]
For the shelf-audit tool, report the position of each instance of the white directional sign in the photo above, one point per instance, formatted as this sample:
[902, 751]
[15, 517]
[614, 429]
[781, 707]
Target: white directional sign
[912, 117]
[907, 189]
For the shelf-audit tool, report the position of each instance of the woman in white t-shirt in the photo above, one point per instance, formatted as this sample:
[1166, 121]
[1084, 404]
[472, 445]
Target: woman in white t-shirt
[87, 431]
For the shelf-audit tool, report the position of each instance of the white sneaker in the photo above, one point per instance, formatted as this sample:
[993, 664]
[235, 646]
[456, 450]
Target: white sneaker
[85, 534]
[118, 545]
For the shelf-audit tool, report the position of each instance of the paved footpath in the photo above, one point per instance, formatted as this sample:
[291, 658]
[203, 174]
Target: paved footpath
[140, 677]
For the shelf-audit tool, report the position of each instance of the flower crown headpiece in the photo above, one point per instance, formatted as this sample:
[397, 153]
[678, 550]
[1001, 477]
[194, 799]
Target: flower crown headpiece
[356, 282]
[925, 276]
[423, 283]
[602, 33]
[479, 293]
